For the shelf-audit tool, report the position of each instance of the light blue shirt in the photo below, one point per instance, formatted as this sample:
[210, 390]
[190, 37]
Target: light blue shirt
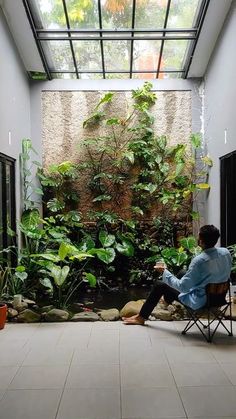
[211, 266]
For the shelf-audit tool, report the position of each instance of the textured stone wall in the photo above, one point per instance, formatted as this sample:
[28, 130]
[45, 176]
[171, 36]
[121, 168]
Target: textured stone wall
[63, 113]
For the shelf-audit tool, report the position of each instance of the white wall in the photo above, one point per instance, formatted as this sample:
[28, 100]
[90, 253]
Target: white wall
[220, 102]
[14, 100]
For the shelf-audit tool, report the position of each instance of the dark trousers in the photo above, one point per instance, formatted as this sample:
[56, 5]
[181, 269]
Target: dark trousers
[160, 289]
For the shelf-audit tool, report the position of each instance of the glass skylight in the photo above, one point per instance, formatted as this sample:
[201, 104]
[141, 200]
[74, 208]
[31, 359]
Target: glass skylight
[116, 38]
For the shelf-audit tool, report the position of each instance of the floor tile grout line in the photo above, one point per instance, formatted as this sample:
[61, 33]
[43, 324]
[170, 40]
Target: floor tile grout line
[176, 386]
[63, 389]
[121, 414]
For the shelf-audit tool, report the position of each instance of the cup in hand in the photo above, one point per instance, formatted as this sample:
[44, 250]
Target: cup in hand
[160, 265]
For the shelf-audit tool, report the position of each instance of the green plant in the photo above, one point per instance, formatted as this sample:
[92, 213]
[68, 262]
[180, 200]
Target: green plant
[29, 190]
[232, 250]
[180, 257]
[17, 283]
[63, 272]
[57, 183]
[131, 160]
[3, 280]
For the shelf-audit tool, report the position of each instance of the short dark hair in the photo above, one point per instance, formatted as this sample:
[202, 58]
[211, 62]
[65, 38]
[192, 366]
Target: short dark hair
[209, 234]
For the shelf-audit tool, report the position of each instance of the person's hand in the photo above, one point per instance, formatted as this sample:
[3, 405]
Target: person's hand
[160, 267]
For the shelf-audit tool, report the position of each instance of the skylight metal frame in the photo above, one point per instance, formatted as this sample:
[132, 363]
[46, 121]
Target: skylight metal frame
[130, 34]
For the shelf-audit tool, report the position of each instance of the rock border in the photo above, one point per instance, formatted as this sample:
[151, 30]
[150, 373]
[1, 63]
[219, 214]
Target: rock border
[29, 312]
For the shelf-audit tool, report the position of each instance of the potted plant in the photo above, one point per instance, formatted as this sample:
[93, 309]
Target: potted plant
[3, 306]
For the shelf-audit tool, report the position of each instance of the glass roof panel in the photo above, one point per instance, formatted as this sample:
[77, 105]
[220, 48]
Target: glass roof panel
[144, 76]
[150, 14]
[116, 14]
[117, 76]
[174, 75]
[91, 76]
[58, 54]
[65, 76]
[88, 55]
[83, 13]
[146, 55]
[113, 36]
[182, 13]
[48, 14]
[117, 55]
[173, 54]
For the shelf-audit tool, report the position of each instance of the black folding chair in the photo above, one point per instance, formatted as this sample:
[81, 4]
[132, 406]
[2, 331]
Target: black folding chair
[215, 310]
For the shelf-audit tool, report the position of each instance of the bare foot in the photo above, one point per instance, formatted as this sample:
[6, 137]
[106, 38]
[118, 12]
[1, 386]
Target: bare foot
[131, 317]
[137, 319]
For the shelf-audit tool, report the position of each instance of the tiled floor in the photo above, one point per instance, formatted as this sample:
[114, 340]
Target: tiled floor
[112, 371]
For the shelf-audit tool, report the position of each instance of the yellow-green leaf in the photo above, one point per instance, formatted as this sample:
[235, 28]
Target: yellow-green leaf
[203, 185]
[207, 160]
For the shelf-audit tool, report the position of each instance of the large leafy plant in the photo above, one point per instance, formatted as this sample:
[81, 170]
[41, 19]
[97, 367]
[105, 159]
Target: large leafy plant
[130, 160]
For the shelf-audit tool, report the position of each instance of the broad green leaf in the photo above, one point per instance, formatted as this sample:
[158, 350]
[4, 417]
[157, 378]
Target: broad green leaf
[55, 205]
[30, 218]
[106, 239]
[46, 283]
[59, 274]
[21, 275]
[87, 243]
[81, 256]
[47, 256]
[63, 251]
[125, 248]
[92, 280]
[106, 255]
[105, 99]
[188, 242]
[20, 268]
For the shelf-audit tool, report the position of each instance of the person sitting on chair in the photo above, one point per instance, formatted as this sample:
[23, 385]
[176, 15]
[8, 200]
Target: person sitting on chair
[212, 265]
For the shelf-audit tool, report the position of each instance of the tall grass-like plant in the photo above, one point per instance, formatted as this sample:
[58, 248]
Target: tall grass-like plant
[30, 192]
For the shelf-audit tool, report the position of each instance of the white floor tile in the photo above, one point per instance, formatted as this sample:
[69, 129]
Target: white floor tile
[209, 401]
[230, 370]
[90, 404]
[29, 404]
[47, 377]
[48, 356]
[6, 376]
[151, 403]
[93, 376]
[146, 375]
[96, 356]
[189, 354]
[199, 374]
[140, 354]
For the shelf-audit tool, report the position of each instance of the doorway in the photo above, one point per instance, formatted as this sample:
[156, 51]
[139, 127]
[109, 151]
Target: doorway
[7, 205]
[228, 198]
